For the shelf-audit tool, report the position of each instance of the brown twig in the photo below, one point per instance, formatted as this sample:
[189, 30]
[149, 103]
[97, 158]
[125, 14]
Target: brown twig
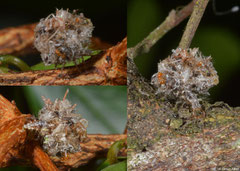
[173, 19]
[97, 145]
[17, 148]
[38, 157]
[107, 68]
[19, 41]
[193, 23]
[13, 138]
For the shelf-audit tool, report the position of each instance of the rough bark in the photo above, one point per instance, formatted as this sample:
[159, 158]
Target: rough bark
[97, 145]
[162, 136]
[107, 68]
[17, 40]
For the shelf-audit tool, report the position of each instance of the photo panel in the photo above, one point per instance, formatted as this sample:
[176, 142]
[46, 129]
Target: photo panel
[66, 123]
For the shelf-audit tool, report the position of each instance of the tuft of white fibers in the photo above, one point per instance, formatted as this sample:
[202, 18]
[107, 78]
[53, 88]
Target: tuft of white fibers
[185, 76]
[63, 37]
[59, 128]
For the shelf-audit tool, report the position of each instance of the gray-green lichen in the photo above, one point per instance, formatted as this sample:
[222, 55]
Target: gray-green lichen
[180, 153]
[165, 136]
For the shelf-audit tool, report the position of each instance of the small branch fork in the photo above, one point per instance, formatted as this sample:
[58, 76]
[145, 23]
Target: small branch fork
[107, 68]
[173, 19]
[17, 149]
[196, 8]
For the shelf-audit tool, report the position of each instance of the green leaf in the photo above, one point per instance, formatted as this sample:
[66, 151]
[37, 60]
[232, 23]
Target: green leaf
[41, 65]
[103, 165]
[15, 61]
[112, 156]
[4, 69]
[121, 166]
[113, 151]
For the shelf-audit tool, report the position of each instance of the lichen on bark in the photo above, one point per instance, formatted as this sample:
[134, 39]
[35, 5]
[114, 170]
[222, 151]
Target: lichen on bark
[163, 136]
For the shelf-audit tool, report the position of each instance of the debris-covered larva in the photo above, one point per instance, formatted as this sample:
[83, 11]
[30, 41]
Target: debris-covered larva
[63, 37]
[58, 128]
[185, 75]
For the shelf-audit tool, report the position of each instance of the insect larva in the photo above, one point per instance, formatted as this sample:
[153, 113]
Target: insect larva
[58, 127]
[63, 37]
[185, 75]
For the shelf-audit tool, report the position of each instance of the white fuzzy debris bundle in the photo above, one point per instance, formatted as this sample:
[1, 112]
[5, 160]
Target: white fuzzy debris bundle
[184, 76]
[59, 128]
[63, 37]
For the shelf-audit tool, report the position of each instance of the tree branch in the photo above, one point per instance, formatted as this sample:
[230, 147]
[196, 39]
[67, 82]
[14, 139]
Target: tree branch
[162, 136]
[165, 136]
[193, 23]
[19, 41]
[173, 19]
[107, 68]
[97, 145]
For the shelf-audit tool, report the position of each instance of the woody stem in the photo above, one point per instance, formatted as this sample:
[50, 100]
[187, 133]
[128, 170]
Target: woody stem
[193, 22]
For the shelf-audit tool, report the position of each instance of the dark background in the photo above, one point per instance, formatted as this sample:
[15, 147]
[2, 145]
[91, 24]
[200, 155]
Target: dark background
[108, 17]
[218, 36]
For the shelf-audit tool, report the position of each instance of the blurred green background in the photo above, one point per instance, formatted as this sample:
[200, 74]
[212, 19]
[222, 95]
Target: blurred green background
[105, 107]
[218, 36]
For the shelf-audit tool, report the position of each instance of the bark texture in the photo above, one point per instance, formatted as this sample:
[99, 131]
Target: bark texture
[162, 136]
[107, 68]
[17, 40]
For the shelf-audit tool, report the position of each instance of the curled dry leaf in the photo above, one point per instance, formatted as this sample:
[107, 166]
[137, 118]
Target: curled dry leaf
[13, 139]
[17, 148]
[8, 110]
